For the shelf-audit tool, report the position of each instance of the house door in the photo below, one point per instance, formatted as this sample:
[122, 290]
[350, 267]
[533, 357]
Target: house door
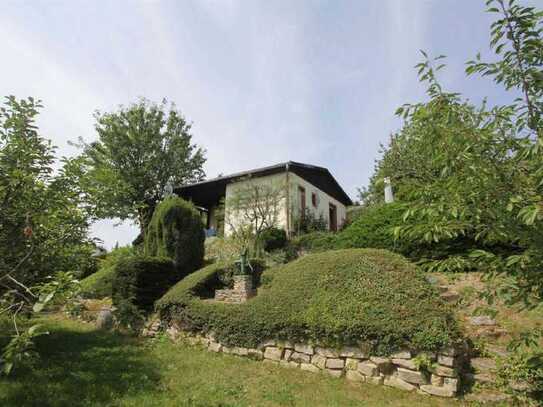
[301, 192]
[333, 217]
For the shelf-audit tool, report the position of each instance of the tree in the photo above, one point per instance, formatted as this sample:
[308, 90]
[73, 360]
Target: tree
[43, 224]
[253, 207]
[140, 148]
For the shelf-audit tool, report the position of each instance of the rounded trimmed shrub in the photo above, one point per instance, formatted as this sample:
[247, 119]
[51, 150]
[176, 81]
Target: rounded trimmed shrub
[141, 281]
[274, 239]
[176, 231]
[343, 297]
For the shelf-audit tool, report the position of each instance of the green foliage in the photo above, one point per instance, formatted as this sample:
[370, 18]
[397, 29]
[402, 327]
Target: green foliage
[21, 348]
[338, 297]
[521, 375]
[140, 281]
[315, 242]
[273, 239]
[310, 222]
[140, 149]
[176, 232]
[98, 285]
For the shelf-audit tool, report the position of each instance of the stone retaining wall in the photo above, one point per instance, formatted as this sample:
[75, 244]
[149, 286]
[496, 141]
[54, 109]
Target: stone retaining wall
[242, 291]
[398, 370]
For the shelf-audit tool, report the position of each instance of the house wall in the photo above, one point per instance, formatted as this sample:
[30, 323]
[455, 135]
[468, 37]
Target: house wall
[295, 181]
[323, 200]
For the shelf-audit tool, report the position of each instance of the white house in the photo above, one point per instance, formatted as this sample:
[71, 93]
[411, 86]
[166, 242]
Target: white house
[306, 188]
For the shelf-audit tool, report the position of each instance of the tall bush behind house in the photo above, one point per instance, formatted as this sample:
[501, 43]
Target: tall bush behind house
[176, 232]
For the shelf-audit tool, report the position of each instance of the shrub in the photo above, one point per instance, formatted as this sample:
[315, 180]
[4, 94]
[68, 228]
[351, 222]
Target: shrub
[273, 239]
[309, 222]
[98, 285]
[315, 242]
[176, 232]
[339, 297]
[140, 281]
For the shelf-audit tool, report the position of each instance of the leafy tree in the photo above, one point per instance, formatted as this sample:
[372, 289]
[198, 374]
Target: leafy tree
[43, 224]
[140, 148]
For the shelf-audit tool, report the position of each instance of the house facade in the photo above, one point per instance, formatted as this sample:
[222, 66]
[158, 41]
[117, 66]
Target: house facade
[299, 189]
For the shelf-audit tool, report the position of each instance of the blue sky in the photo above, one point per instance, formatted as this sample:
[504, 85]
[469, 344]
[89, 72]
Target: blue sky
[262, 81]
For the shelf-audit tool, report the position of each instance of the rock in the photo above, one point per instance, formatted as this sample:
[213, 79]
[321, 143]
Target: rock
[291, 365]
[300, 357]
[334, 363]
[404, 354]
[303, 348]
[450, 296]
[407, 363]
[368, 369]
[448, 361]
[487, 396]
[451, 383]
[288, 353]
[411, 376]
[443, 288]
[214, 346]
[240, 351]
[384, 364]
[285, 344]
[445, 371]
[437, 391]
[378, 380]
[450, 351]
[104, 319]
[496, 350]
[329, 353]
[482, 320]
[309, 367]
[351, 364]
[172, 332]
[273, 353]
[352, 352]
[354, 376]
[334, 372]
[483, 365]
[436, 380]
[319, 361]
[269, 342]
[398, 383]
[255, 354]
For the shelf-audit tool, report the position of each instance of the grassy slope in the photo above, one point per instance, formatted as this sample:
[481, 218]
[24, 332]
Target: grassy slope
[84, 367]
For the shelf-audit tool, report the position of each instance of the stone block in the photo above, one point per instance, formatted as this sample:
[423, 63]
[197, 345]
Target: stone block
[214, 347]
[398, 383]
[381, 363]
[335, 363]
[309, 367]
[300, 357]
[436, 380]
[354, 376]
[483, 365]
[411, 376]
[352, 352]
[482, 320]
[255, 354]
[334, 372]
[448, 361]
[405, 363]
[269, 342]
[351, 364]
[437, 391]
[240, 351]
[329, 353]
[368, 369]
[445, 371]
[404, 354]
[377, 380]
[451, 383]
[273, 353]
[288, 353]
[285, 344]
[303, 348]
[319, 361]
[292, 365]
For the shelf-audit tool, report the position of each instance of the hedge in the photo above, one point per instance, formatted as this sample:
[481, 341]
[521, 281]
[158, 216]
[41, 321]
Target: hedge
[176, 231]
[343, 297]
[142, 280]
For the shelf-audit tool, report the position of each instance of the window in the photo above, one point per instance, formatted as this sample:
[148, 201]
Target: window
[314, 199]
[301, 194]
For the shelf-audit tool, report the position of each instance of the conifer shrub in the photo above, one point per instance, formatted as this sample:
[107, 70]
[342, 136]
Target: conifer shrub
[176, 232]
[344, 297]
[140, 281]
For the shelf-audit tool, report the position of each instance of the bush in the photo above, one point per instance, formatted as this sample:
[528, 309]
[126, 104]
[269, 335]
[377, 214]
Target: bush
[273, 239]
[176, 232]
[309, 222]
[339, 297]
[98, 285]
[140, 281]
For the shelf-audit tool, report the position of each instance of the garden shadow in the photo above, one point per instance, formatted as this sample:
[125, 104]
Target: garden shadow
[82, 367]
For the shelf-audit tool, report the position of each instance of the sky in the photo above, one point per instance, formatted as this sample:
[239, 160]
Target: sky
[262, 81]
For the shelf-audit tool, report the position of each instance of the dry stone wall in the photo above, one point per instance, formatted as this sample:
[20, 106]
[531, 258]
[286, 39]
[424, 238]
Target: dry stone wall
[399, 370]
[242, 291]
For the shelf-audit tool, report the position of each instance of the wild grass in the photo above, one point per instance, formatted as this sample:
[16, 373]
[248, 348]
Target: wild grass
[81, 366]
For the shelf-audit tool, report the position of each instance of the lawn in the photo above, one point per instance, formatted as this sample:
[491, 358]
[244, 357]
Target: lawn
[81, 366]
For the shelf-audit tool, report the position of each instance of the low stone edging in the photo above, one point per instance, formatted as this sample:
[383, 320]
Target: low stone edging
[399, 370]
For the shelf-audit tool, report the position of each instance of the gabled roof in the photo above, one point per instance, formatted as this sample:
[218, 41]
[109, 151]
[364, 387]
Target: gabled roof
[211, 191]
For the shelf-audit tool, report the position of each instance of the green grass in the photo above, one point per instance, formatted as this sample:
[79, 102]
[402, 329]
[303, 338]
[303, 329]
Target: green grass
[84, 367]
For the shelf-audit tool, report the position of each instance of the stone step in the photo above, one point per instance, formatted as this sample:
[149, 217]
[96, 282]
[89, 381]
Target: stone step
[483, 365]
[450, 296]
[487, 396]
